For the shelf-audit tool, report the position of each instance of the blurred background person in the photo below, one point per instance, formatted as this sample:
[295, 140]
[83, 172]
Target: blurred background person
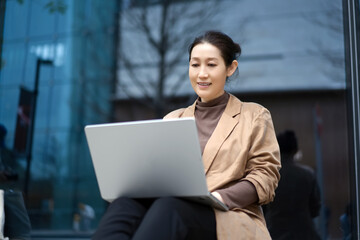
[8, 164]
[297, 198]
[87, 215]
[17, 223]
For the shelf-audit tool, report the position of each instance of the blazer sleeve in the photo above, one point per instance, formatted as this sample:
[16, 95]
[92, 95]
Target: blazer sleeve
[263, 164]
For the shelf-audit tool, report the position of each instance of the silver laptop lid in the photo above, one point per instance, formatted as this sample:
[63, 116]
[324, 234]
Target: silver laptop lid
[151, 158]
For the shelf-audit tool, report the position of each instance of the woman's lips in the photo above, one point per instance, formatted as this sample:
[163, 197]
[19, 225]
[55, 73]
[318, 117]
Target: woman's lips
[203, 84]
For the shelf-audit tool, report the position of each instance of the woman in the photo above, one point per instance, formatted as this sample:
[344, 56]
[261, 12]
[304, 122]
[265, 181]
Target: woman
[240, 156]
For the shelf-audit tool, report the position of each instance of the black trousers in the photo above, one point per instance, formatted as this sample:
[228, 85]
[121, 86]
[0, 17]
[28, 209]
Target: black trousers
[163, 218]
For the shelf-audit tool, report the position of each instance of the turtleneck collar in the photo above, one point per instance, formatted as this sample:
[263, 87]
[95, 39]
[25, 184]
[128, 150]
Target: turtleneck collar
[207, 116]
[223, 99]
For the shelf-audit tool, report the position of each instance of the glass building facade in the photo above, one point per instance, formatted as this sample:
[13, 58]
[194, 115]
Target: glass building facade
[74, 89]
[93, 61]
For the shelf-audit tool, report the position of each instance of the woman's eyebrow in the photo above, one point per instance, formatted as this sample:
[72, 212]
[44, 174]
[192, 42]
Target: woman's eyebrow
[197, 58]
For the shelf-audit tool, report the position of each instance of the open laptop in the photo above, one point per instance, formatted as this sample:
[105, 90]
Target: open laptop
[148, 159]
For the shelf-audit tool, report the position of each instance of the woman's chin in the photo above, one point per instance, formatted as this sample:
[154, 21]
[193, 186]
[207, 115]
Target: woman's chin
[202, 96]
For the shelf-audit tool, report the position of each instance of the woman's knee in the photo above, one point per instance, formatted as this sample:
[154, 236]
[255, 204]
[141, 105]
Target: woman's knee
[122, 200]
[167, 204]
[176, 218]
[121, 219]
[125, 203]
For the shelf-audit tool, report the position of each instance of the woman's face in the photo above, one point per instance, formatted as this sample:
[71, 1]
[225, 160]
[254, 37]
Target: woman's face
[208, 72]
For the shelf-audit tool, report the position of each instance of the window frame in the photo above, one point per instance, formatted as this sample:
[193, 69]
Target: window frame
[351, 15]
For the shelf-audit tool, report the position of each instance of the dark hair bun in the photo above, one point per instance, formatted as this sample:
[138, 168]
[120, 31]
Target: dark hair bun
[230, 50]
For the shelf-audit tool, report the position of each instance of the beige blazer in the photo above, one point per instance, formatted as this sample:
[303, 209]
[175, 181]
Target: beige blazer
[243, 146]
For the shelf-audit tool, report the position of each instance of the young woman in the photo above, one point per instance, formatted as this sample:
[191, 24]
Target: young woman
[240, 155]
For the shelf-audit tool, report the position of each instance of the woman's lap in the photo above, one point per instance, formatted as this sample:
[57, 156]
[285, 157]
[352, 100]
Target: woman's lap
[162, 218]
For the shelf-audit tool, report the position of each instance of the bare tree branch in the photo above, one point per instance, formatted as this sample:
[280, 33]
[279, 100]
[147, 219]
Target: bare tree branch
[167, 27]
[330, 20]
[130, 69]
[180, 81]
[146, 28]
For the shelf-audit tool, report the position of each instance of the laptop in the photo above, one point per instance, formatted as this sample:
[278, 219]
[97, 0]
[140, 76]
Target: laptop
[149, 159]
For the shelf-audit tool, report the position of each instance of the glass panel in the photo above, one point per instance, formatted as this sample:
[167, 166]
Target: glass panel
[269, 39]
[42, 108]
[64, 18]
[8, 99]
[59, 110]
[62, 60]
[13, 57]
[39, 12]
[15, 26]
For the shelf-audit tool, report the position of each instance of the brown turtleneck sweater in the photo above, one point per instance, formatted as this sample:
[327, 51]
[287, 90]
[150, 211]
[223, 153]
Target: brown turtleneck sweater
[207, 116]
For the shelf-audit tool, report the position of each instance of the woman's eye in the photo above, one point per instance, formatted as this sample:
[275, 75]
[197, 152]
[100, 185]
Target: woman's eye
[211, 64]
[194, 65]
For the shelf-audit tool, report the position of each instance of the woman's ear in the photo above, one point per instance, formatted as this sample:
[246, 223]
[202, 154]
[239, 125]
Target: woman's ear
[231, 69]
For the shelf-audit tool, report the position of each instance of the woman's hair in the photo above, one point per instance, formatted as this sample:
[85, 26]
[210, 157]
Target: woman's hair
[230, 50]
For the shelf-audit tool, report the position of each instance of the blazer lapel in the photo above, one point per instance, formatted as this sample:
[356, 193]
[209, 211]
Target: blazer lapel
[226, 124]
[189, 111]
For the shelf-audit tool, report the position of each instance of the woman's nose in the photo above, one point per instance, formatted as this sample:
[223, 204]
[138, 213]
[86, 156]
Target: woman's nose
[203, 73]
